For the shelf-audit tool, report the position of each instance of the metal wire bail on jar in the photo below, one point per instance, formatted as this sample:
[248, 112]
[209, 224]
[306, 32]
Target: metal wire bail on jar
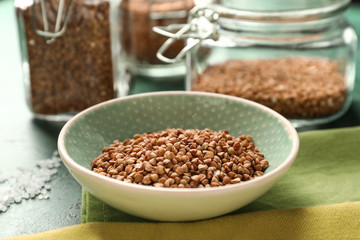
[297, 58]
[60, 25]
[201, 26]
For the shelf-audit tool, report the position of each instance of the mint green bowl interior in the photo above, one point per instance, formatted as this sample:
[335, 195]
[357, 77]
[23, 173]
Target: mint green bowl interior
[98, 126]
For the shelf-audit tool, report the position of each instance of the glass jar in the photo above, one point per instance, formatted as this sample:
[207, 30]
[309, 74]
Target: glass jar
[70, 55]
[140, 43]
[296, 57]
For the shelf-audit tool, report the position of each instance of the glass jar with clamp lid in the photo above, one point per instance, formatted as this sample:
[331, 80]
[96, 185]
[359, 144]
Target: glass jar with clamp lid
[70, 55]
[140, 43]
[297, 57]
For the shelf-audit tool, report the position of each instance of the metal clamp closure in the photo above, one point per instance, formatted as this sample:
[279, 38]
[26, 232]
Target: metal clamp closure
[201, 26]
[59, 30]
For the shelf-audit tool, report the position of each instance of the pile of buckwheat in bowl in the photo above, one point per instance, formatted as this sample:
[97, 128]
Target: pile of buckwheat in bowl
[178, 156]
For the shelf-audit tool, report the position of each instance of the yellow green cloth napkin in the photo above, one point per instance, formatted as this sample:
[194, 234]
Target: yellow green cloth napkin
[326, 171]
[318, 198]
[336, 221]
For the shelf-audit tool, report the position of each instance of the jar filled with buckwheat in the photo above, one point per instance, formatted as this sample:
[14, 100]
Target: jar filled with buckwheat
[297, 57]
[70, 54]
[140, 43]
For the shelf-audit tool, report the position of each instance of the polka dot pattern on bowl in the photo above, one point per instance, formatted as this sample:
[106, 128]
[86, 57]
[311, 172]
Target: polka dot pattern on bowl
[122, 119]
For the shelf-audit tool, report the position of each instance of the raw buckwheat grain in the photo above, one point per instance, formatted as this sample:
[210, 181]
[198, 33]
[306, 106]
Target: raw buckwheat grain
[296, 87]
[179, 158]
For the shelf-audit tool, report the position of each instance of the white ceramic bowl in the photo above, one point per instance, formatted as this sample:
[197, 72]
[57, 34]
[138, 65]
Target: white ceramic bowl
[84, 136]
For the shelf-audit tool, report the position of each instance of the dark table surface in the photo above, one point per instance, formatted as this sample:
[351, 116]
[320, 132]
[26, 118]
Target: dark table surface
[24, 140]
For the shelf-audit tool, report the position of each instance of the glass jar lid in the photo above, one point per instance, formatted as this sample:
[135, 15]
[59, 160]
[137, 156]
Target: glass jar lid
[276, 9]
[245, 15]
